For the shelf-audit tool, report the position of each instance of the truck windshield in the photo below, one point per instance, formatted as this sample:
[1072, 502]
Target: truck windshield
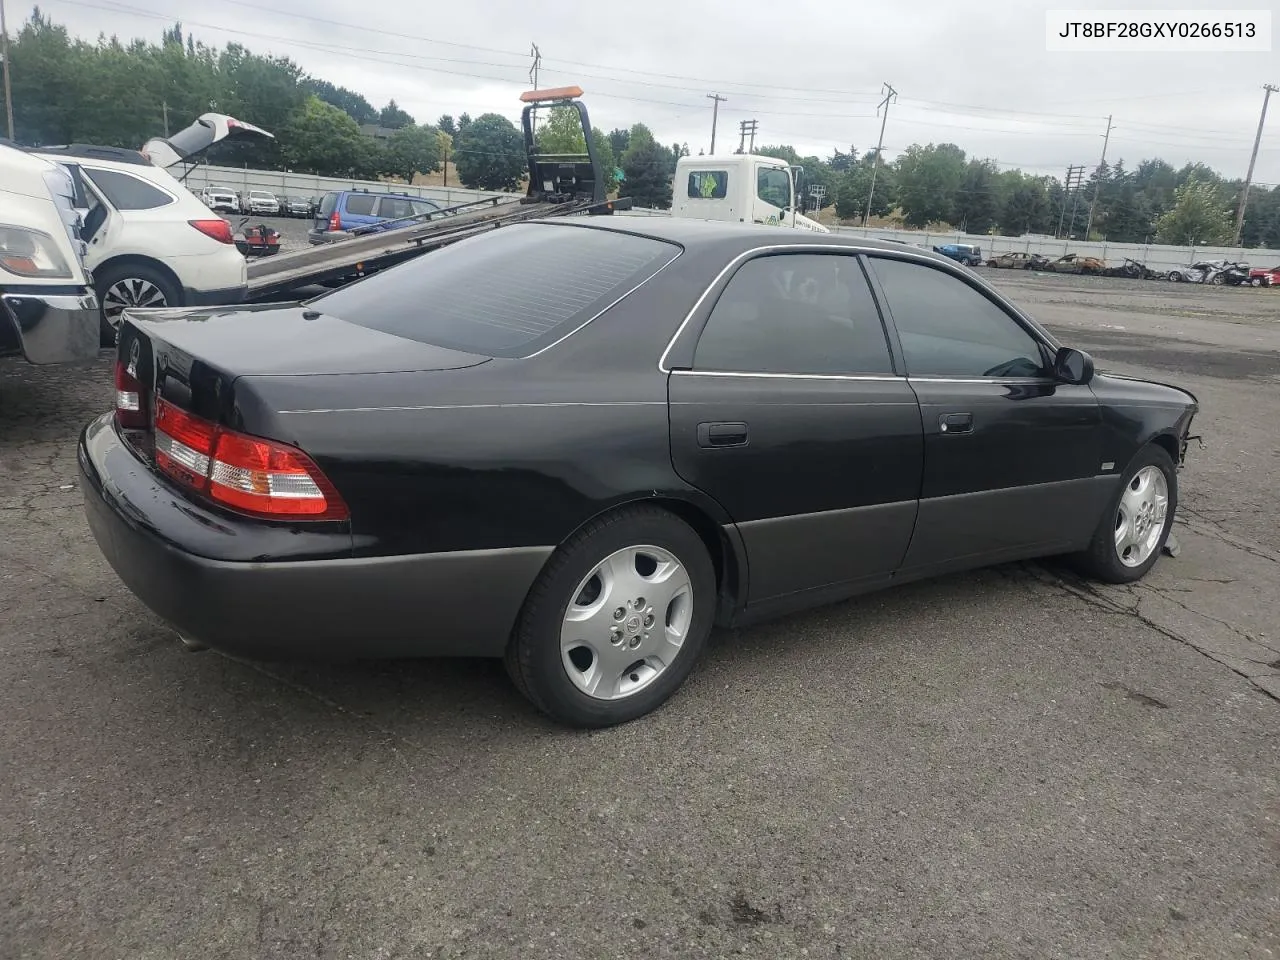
[773, 185]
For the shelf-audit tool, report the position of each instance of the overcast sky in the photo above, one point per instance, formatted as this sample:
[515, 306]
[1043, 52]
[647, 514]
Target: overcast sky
[975, 74]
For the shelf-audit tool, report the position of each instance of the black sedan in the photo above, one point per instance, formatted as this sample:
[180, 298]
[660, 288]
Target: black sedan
[579, 445]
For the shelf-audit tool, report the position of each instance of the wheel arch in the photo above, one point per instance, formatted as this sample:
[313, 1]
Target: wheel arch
[720, 537]
[140, 260]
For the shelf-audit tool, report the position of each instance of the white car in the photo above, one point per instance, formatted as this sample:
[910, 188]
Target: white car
[220, 199]
[263, 203]
[151, 242]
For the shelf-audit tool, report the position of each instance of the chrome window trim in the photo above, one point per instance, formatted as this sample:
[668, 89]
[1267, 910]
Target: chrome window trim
[884, 378]
[1032, 328]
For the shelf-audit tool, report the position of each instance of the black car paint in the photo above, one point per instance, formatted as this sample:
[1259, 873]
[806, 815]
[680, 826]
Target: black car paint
[440, 454]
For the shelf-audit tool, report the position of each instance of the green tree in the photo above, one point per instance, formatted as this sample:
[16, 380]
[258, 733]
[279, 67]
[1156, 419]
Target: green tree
[648, 167]
[489, 153]
[619, 140]
[446, 125]
[561, 132]
[325, 140]
[410, 150]
[393, 117]
[1198, 216]
[977, 200]
[928, 180]
[357, 107]
[464, 121]
[853, 186]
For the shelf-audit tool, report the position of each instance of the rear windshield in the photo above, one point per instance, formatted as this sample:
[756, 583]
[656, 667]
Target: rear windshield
[503, 294]
[327, 203]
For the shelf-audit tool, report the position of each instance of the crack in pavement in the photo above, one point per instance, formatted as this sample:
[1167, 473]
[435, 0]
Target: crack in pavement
[1085, 591]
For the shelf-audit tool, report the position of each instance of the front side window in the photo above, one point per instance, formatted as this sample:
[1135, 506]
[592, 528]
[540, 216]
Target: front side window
[795, 314]
[950, 329]
[773, 185]
[127, 192]
[708, 184]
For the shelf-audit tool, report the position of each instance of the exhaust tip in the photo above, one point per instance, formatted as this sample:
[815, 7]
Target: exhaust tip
[193, 646]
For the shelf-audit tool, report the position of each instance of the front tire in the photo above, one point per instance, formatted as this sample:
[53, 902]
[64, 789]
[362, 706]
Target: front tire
[1136, 524]
[582, 663]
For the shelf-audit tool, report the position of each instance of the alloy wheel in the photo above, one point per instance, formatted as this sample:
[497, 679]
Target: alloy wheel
[1140, 518]
[627, 622]
[130, 292]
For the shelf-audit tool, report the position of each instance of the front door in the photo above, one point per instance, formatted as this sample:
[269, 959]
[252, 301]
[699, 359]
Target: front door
[773, 194]
[1011, 456]
[790, 414]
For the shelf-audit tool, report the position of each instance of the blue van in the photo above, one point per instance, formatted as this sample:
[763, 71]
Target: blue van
[348, 209]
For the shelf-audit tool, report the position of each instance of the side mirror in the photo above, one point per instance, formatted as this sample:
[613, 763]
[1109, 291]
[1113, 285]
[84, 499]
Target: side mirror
[1073, 366]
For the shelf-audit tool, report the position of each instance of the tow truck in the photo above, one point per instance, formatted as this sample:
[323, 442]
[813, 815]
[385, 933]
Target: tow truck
[559, 185]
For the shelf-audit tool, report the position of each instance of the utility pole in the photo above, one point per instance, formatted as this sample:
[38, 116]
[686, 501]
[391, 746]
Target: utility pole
[1248, 177]
[890, 95]
[533, 79]
[1075, 203]
[715, 115]
[164, 104]
[1070, 184]
[746, 127]
[1097, 183]
[4, 54]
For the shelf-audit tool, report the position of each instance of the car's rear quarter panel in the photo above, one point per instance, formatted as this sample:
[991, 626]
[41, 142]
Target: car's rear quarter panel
[509, 453]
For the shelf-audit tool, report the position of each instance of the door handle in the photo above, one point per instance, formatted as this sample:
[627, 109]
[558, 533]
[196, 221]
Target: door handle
[722, 435]
[950, 423]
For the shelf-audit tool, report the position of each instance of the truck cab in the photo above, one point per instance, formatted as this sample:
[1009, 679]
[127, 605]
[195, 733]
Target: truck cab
[48, 311]
[740, 188]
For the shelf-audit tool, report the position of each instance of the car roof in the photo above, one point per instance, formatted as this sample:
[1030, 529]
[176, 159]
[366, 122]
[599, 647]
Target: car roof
[735, 238]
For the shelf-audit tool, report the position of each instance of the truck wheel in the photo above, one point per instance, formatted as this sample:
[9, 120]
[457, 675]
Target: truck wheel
[131, 285]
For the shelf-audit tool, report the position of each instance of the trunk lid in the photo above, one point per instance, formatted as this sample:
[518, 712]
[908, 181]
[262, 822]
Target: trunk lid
[286, 340]
[188, 144]
[198, 360]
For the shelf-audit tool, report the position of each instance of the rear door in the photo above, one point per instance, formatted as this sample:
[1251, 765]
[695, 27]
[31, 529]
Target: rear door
[1011, 456]
[786, 408]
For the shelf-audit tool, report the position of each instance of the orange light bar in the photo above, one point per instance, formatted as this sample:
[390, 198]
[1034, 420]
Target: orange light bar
[555, 93]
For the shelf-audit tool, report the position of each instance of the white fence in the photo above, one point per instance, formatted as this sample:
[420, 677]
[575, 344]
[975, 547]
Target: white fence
[308, 185]
[1157, 256]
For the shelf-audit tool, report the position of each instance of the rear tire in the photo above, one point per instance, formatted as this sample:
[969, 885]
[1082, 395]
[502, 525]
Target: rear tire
[1127, 517]
[639, 560]
[1175, 276]
[130, 285]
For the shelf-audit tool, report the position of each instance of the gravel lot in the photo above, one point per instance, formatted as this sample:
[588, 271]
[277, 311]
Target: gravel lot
[1010, 763]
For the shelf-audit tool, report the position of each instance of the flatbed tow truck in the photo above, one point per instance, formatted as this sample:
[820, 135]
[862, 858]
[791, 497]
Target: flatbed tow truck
[559, 185]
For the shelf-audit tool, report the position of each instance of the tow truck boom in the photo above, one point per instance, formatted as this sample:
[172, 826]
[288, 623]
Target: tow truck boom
[559, 185]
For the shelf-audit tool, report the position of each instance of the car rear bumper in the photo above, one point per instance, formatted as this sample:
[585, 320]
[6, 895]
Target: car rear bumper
[324, 605]
[52, 328]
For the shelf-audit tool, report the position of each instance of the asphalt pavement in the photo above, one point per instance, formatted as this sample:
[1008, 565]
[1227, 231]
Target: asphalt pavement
[1009, 763]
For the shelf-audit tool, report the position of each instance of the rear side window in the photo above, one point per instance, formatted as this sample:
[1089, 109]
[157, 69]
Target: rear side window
[327, 203]
[393, 208]
[503, 294]
[360, 204]
[127, 192]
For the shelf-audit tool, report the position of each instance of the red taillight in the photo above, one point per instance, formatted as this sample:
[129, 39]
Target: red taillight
[249, 474]
[219, 229]
[335, 221]
[131, 408]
